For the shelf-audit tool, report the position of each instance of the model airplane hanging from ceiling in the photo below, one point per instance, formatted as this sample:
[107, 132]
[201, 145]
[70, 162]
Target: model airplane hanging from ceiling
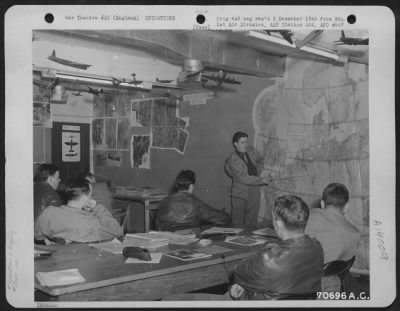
[134, 81]
[117, 81]
[169, 95]
[220, 79]
[163, 81]
[97, 92]
[67, 62]
[351, 41]
[286, 34]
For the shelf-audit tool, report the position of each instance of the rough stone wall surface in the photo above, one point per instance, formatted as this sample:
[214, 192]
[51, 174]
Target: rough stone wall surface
[313, 126]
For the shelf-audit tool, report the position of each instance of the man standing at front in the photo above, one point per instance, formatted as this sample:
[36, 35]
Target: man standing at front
[241, 166]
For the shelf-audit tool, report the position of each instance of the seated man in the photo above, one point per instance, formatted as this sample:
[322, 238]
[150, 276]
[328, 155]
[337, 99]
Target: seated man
[338, 237]
[101, 191]
[292, 266]
[80, 220]
[46, 183]
[183, 210]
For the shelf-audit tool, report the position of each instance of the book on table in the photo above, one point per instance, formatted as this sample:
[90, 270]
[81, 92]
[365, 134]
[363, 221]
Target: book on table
[174, 238]
[222, 230]
[188, 254]
[245, 240]
[60, 278]
[151, 240]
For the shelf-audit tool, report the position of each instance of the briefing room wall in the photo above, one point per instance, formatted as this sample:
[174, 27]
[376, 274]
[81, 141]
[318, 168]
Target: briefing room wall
[211, 125]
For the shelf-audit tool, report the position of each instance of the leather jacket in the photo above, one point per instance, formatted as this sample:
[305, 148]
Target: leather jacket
[182, 210]
[43, 196]
[288, 267]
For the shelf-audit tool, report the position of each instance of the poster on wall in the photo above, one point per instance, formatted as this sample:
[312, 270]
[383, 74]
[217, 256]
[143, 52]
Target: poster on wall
[42, 114]
[71, 146]
[140, 151]
[141, 113]
[98, 133]
[183, 138]
[108, 158]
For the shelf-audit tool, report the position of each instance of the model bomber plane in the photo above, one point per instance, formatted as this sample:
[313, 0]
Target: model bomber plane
[351, 41]
[67, 62]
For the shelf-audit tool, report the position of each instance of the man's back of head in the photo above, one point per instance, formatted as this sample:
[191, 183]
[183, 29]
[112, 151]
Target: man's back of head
[335, 195]
[290, 215]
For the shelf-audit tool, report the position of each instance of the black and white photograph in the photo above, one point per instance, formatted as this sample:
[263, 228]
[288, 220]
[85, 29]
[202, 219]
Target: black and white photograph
[254, 121]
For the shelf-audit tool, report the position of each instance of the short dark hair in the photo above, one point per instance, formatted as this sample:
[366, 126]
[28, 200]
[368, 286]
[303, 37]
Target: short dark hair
[335, 194]
[77, 189]
[44, 171]
[184, 179]
[237, 136]
[293, 211]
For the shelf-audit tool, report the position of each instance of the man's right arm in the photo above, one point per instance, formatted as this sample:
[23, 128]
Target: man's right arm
[239, 173]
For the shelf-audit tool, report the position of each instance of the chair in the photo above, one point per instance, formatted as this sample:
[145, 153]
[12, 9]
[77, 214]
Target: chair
[340, 269]
[120, 212]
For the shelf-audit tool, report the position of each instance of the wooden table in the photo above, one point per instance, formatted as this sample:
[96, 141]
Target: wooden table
[108, 278]
[149, 201]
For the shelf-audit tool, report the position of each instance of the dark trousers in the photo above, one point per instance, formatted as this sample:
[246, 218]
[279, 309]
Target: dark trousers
[245, 212]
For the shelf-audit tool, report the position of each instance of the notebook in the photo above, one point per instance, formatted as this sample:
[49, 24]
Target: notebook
[60, 278]
[244, 241]
[187, 254]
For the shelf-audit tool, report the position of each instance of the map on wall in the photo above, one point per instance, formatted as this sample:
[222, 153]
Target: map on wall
[316, 133]
[107, 158]
[135, 126]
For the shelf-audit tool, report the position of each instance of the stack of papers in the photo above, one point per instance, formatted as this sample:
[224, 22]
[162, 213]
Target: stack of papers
[215, 230]
[151, 240]
[174, 238]
[60, 278]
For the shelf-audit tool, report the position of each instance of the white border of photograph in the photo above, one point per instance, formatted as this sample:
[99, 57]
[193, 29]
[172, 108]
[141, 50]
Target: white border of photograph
[20, 20]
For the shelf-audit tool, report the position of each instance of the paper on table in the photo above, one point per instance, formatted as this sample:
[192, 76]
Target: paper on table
[187, 254]
[113, 246]
[59, 278]
[244, 241]
[214, 249]
[155, 258]
[174, 238]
